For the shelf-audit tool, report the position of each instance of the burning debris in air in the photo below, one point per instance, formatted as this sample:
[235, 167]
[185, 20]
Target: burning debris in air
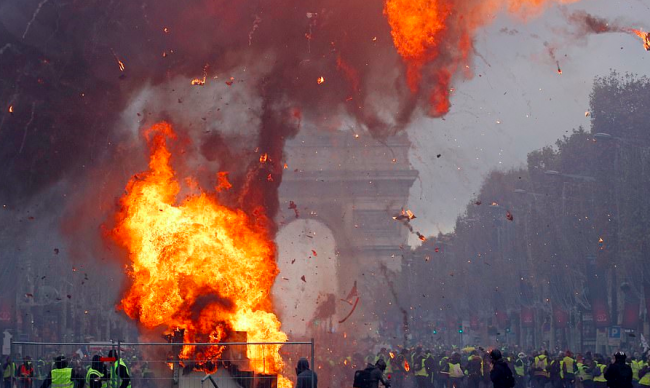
[201, 81]
[585, 24]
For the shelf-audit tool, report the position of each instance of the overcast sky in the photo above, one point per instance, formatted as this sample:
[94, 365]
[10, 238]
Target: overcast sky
[516, 103]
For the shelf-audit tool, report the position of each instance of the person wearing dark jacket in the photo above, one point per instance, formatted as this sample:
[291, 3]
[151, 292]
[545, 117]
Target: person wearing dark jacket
[377, 374]
[96, 377]
[501, 375]
[305, 375]
[119, 373]
[619, 374]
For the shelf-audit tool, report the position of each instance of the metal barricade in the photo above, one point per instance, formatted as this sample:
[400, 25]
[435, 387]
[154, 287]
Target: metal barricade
[162, 365]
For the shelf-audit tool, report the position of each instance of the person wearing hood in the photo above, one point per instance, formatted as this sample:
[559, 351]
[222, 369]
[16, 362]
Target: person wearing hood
[376, 374]
[501, 375]
[306, 377]
[619, 374]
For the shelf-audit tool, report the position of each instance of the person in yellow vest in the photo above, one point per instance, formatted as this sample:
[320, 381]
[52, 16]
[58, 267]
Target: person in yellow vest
[585, 370]
[431, 365]
[474, 370]
[61, 376]
[540, 370]
[96, 377]
[9, 374]
[455, 371]
[636, 366]
[644, 375]
[120, 377]
[443, 373]
[521, 370]
[420, 370]
[569, 369]
[599, 372]
[555, 371]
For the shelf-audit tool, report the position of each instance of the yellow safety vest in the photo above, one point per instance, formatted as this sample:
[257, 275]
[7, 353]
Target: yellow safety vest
[10, 371]
[601, 378]
[541, 362]
[94, 374]
[520, 367]
[569, 363]
[455, 371]
[636, 367]
[62, 378]
[645, 380]
[116, 380]
[582, 372]
[423, 370]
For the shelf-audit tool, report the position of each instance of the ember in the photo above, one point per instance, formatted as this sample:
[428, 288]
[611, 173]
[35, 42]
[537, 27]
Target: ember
[320, 80]
[201, 81]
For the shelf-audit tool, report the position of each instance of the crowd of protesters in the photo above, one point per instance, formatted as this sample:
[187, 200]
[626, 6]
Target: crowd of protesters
[476, 368]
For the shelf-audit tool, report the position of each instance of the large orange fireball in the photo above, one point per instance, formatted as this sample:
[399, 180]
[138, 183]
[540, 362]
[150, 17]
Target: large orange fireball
[435, 38]
[195, 264]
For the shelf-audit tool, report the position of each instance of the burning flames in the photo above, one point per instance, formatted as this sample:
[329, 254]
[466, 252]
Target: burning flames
[195, 264]
[407, 367]
[645, 36]
[435, 39]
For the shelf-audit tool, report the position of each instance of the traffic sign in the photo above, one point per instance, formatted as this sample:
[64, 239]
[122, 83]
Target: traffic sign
[615, 332]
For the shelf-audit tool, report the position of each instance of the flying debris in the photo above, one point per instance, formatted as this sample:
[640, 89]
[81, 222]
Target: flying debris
[11, 109]
[294, 207]
[509, 216]
[120, 64]
[559, 70]
[354, 307]
[351, 295]
[405, 216]
[320, 80]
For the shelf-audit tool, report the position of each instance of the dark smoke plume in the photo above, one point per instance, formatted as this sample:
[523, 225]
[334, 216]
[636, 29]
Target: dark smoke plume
[61, 72]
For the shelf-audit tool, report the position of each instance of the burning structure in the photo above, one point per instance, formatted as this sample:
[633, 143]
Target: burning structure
[197, 266]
